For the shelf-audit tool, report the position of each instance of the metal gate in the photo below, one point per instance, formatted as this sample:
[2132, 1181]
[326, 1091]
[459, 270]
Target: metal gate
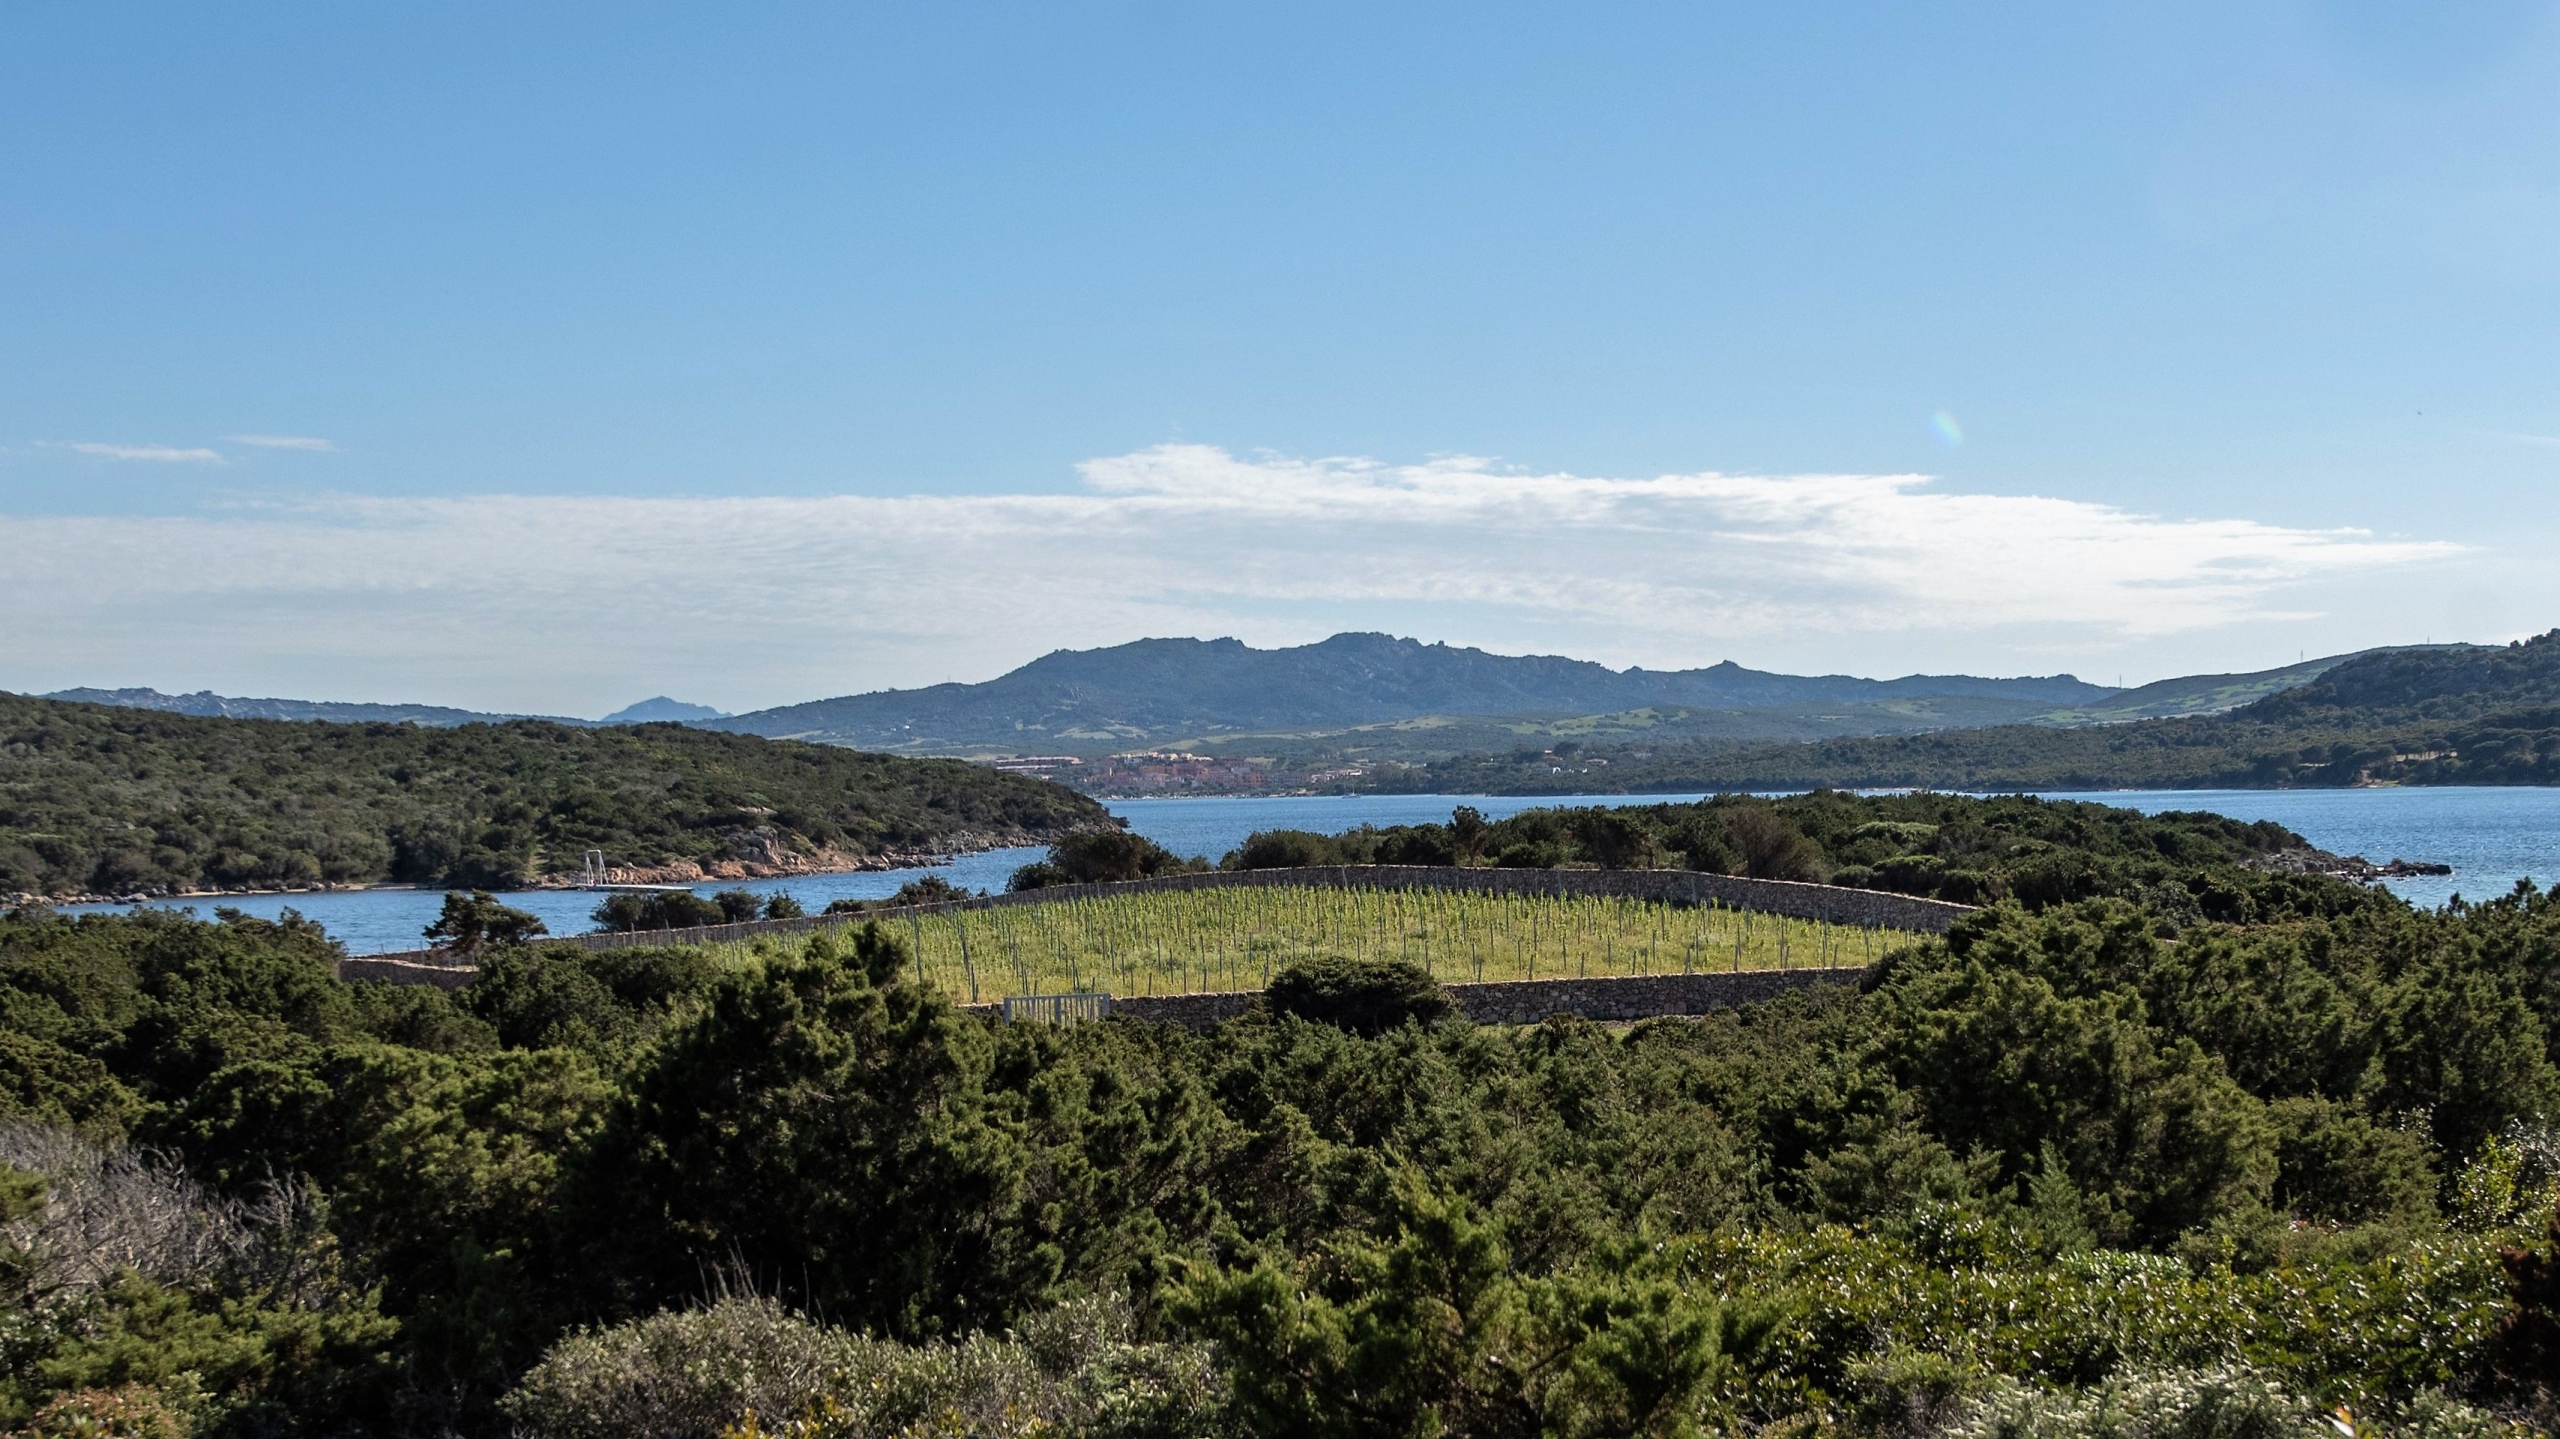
[1055, 1008]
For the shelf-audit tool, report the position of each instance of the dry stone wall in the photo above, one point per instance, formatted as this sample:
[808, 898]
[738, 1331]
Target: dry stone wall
[1642, 996]
[402, 969]
[1528, 1001]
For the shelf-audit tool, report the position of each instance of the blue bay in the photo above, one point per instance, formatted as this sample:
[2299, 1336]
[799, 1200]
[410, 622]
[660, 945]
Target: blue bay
[2491, 836]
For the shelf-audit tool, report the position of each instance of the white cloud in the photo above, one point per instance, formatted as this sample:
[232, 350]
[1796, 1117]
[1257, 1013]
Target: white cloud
[162, 454]
[285, 442]
[536, 601]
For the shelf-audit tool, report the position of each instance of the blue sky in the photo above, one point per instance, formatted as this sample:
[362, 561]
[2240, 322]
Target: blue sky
[621, 349]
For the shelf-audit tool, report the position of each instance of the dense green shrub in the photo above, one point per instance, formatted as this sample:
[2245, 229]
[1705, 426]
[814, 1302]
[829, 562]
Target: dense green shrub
[1101, 856]
[626, 911]
[472, 921]
[1290, 849]
[2050, 1150]
[1364, 996]
[820, 1114]
[2365, 1328]
[1428, 1329]
[1039, 874]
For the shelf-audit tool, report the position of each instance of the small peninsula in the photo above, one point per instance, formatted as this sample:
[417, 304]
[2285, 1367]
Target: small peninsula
[116, 801]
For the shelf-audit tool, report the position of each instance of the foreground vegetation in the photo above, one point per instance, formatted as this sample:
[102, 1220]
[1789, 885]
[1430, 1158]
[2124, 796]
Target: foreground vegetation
[2415, 716]
[116, 801]
[2049, 1175]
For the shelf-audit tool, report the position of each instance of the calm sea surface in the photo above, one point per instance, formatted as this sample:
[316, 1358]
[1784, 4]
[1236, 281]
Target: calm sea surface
[2492, 837]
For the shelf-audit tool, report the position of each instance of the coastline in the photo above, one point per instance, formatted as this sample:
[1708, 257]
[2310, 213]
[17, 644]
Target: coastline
[679, 872]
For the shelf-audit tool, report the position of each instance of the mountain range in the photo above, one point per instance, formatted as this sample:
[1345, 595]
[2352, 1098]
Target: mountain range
[1354, 698]
[1161, 691]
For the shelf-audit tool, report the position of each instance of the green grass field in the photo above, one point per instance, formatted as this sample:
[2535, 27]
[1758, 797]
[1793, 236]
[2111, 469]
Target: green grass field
[1224, 939]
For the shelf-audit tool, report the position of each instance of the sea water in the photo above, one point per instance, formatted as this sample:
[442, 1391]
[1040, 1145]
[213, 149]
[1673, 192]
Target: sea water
[2491, 836]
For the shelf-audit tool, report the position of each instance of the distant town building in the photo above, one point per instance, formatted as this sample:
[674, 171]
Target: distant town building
[1150, 770]
[1045, 766]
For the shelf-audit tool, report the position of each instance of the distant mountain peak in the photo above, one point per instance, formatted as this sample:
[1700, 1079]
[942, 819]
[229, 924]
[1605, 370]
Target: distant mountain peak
[660, 709]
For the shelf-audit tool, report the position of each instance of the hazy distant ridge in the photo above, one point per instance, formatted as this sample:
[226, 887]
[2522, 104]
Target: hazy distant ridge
[213, 706]
[209, 705]
[1180, 687]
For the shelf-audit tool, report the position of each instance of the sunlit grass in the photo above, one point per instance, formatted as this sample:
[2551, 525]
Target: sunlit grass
[1182, 942]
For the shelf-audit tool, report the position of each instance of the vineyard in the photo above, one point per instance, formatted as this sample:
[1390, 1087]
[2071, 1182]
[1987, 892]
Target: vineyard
[1183, 942]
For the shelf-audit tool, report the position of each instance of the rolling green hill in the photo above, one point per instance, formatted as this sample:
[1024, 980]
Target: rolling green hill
[2186, 695]
[2432, 715]
[96, 799]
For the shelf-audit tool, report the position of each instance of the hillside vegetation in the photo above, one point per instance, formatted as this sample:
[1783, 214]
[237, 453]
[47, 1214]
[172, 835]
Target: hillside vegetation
[109, 800]
[2184, 866]
[2467, 715]
[2194, 694]
[2050, 1175]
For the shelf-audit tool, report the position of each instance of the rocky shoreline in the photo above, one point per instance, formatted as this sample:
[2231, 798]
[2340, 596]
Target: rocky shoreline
[2308, 860]
[687, 872]
[766, 860]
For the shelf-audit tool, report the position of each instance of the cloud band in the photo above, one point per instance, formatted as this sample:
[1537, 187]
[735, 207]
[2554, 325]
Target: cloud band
[826, 595]
[157, 454]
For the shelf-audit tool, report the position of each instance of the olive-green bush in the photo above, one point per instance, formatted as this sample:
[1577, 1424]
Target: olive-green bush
[748, 1366]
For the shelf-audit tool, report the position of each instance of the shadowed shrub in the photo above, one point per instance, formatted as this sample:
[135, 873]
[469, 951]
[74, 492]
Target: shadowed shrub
[1367, 997]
